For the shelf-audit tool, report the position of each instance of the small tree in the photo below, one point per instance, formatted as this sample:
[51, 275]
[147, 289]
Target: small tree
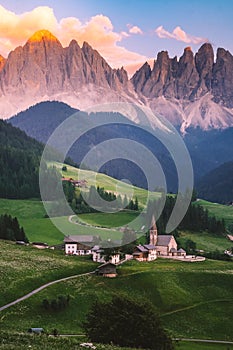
[127, 323]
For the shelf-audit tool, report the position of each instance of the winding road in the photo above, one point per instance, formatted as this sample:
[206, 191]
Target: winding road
[37, 290]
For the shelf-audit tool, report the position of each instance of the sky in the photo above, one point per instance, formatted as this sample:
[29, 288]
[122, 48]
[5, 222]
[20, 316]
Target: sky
[126, 33]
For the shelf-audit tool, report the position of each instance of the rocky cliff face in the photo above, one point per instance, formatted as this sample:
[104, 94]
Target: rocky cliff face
[222, 79]
[2, 62]
[193, 90]
[42, 69]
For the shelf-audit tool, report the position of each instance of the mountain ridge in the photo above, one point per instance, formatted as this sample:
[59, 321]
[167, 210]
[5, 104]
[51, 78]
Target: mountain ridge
[193, 91]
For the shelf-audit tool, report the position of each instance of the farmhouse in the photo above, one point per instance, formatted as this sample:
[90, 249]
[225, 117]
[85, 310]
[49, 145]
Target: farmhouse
[98, 255]
[145, 252]
[76, 183]
[80, 245]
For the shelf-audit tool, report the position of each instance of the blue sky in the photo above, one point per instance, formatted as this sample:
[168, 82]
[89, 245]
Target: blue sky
[199, 20]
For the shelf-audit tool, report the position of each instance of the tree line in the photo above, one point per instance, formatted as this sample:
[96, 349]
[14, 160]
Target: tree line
[80, 206]
[10, 229]
[196, 218]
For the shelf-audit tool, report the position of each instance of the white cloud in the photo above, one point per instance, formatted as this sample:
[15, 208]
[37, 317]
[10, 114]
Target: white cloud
[135, 30]
[98, 31]
[180, 35]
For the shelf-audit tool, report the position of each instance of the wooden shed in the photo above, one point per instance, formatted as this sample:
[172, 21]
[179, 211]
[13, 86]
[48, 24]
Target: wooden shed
[107, 270]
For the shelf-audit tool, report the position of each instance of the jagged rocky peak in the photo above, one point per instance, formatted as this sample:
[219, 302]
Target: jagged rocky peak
[42, 36]
[2, 62]
[187, 75]
[154, 86]
[122, 75]
[74, 45]
[141, 76]
[222, 81]
[204, 61]
[162, 63]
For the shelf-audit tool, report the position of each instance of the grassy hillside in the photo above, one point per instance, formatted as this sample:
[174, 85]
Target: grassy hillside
[221, 211]
[109, 183]
[16, 341]
[194, 300]
[23, 269]
[217, 185]
[31, 215]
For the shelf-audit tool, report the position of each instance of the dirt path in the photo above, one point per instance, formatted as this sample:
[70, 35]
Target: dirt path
[37, 290]
[195, 305]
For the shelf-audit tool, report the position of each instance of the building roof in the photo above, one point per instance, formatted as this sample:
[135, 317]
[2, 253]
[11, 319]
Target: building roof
[142, 249]
[181, 250]
[105, 265]
[164, 240]
[79, 239]
[149, 246]
[95, 248]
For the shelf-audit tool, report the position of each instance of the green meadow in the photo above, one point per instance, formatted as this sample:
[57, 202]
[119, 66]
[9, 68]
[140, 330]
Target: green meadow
[194, 300]
[14, 341]
[32, 216]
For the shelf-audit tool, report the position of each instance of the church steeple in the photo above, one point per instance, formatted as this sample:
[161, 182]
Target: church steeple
[153, 232]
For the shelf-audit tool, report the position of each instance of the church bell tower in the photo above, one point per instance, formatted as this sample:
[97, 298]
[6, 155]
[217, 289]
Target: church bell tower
[153, 232]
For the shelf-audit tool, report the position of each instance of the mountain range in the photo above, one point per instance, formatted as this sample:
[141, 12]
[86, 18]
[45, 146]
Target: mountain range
[193, 91]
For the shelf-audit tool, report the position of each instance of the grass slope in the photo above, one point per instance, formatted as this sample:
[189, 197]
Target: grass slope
[193, 299]
[23, 269]
[221, 211]
[31, 215]
[16, 341]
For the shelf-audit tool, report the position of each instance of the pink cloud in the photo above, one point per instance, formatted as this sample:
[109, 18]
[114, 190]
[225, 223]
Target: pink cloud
[98, 31]
[135, 30]
[179, 34]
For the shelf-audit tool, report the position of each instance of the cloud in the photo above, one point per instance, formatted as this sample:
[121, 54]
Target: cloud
[98, 31]
[15, 29]
[179, 34]
[135, 30]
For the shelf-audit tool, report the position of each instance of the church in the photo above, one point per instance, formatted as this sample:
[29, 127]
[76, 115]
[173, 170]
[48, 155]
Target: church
[160, 245]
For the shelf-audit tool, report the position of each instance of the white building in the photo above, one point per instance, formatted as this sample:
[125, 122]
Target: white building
[79, 245]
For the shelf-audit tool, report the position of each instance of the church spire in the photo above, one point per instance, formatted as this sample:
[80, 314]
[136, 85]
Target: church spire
[153, 232]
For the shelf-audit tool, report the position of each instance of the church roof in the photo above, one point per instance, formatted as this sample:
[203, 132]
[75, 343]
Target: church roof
[164, 240]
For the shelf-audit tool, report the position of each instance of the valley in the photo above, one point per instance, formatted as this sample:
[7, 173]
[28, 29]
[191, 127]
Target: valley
[98, 104]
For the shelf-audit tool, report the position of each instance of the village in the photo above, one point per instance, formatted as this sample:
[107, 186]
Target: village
[164, 246]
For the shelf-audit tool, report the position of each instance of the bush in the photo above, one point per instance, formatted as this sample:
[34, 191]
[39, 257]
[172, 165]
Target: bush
[125, 322]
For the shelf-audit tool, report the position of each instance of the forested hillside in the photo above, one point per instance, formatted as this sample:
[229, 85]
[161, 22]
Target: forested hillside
[217, 185]
[19, 163]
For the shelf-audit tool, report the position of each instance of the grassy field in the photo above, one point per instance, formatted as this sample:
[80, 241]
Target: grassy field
[109, 220]
[22, 341]
[38, 228]
[109, 183]
[24, 268]
[219, 210]
[206, 241]
[31, 215]
[193, 299]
